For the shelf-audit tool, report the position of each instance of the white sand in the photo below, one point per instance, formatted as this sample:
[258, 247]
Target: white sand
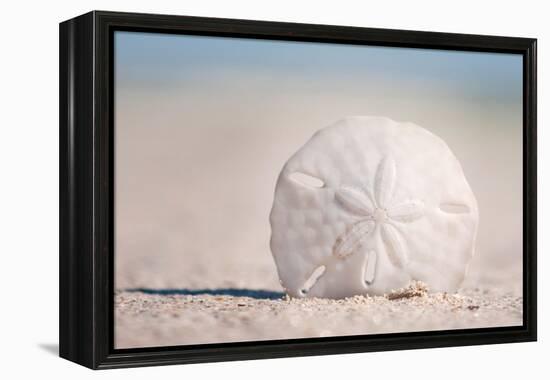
[210, 231]
[195, 181]
[174, 318]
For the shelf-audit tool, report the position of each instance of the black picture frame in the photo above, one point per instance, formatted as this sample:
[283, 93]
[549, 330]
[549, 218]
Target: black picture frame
[86, 189]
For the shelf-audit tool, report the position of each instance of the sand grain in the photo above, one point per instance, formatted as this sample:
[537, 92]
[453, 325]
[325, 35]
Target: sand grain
[149, 319]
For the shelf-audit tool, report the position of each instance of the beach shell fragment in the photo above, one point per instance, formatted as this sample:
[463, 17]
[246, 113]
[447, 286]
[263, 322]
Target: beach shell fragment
[368, 205]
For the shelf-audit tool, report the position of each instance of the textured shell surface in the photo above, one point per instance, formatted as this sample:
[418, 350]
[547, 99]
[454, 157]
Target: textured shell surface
[391, 205]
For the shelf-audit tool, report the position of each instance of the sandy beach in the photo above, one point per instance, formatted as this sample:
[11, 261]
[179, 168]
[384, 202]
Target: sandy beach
[194, 266]
[213, 280]
[177, 317]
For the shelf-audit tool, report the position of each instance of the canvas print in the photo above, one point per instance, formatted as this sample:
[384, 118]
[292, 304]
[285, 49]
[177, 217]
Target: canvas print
[274, 190]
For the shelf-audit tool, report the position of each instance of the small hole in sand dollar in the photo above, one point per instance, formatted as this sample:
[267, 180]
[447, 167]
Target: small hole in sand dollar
[312, 280]
[454, 208]
[369, 269]
[307, 180]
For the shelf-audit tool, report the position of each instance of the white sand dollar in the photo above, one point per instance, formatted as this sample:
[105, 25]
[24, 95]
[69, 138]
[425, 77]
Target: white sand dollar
[369, 204]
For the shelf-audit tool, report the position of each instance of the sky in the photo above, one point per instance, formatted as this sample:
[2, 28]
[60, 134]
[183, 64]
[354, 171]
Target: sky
[169, 61]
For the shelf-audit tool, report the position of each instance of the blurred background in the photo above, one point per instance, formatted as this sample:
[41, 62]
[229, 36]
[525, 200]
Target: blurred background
[204, 125]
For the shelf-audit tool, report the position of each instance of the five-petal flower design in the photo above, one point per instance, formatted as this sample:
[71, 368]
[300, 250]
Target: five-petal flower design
[376, 210]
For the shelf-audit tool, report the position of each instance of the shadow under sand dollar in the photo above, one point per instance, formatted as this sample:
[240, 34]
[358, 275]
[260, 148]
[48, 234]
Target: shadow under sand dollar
[234, 292]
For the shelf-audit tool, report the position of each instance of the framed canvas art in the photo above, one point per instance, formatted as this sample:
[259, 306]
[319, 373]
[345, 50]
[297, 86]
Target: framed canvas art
[234, 189]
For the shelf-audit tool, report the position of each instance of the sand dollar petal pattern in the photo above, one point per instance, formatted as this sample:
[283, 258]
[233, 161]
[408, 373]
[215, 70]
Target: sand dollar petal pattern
[355, 201]
[407, 211]
[386, 195]
[385, 181]
[395, 248]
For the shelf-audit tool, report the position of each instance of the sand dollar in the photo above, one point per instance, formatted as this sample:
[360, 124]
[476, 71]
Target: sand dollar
[368, 205]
